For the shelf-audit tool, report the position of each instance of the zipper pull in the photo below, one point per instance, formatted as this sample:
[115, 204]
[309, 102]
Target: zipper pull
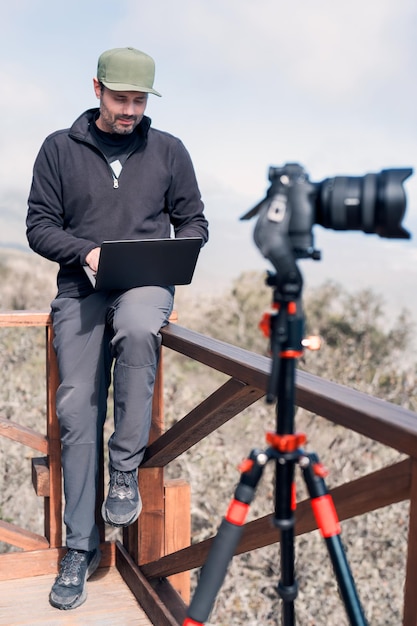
[116, 168]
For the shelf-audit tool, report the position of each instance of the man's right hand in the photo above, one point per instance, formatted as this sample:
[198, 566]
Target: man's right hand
[92, 259]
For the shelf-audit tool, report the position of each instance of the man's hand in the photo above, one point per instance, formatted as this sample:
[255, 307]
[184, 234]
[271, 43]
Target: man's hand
[92, 259]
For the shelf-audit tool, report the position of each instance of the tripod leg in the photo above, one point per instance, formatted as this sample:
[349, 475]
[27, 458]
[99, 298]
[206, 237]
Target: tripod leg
[284, 520]
[328, 523]
[225, 542]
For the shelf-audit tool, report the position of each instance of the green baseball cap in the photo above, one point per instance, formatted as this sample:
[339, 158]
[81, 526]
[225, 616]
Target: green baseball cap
[127, 69]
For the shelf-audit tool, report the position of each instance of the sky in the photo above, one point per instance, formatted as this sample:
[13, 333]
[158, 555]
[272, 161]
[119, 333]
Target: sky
[246, 84]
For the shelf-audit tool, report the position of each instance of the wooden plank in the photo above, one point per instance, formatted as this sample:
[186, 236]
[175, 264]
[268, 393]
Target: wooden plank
[252, 369]
[226, 402]
[410, 596]
[381, 488]
[377, 419]
[40, 318]
[14, 565]
[24, 435]
[21, 538]
[25, 318]
[178, 529]
[40, 476]
[109, 602]
[147, 597]
[170, 599]
[382, 421]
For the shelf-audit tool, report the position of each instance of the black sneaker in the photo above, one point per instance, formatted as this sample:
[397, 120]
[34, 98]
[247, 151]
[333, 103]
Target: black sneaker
[69, 588]
[123, 504]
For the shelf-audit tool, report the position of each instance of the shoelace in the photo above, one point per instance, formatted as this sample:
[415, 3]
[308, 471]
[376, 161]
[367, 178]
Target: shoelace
[70, 567]
[121, 480]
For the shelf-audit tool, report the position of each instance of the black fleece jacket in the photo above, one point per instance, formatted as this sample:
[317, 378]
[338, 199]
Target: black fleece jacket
[75, 205]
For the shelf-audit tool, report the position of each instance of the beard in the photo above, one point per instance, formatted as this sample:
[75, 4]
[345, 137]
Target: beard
[118, 124]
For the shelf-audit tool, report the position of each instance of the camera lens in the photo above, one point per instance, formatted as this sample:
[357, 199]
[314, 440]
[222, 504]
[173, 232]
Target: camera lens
[374, 203]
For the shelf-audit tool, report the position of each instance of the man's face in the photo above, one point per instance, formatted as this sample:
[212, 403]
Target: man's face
[120, 111]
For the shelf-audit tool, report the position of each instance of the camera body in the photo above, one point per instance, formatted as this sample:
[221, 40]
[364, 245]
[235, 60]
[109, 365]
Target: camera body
[373, 203]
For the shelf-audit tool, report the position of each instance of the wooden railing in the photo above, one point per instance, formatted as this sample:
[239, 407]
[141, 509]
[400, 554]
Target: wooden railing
[150, 552]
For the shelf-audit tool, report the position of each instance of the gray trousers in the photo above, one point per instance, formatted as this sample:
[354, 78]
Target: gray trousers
[91, 334]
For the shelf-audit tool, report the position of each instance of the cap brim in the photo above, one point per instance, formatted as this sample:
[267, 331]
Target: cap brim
[127, 87]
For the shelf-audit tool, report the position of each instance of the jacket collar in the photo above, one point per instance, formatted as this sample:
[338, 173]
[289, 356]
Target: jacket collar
[80, 130]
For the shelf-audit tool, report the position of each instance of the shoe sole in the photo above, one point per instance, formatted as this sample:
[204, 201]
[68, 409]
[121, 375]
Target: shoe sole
[124, 524]
[83, 597]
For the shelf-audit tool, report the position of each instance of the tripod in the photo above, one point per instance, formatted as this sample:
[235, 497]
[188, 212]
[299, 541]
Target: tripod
[285, 449]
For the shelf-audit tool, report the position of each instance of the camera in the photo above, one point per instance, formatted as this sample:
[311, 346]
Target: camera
[373, 203]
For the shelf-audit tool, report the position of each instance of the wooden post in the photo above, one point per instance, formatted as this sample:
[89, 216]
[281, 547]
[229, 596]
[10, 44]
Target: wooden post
[178, 529]
[53, 504]
[410, 596]
[144, 540]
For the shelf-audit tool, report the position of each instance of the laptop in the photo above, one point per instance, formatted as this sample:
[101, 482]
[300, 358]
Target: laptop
[136, 263]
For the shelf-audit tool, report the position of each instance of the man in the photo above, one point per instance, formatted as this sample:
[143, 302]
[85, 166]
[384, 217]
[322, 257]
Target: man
[109, 177]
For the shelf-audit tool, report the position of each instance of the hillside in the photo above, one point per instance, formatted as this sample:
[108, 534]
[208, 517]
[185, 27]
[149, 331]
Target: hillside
[358, 351]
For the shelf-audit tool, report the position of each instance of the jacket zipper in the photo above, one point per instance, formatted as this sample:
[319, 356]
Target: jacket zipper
[115, 178]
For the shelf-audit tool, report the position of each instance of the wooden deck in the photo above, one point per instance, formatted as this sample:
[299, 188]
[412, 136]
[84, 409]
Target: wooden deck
[24, 602]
